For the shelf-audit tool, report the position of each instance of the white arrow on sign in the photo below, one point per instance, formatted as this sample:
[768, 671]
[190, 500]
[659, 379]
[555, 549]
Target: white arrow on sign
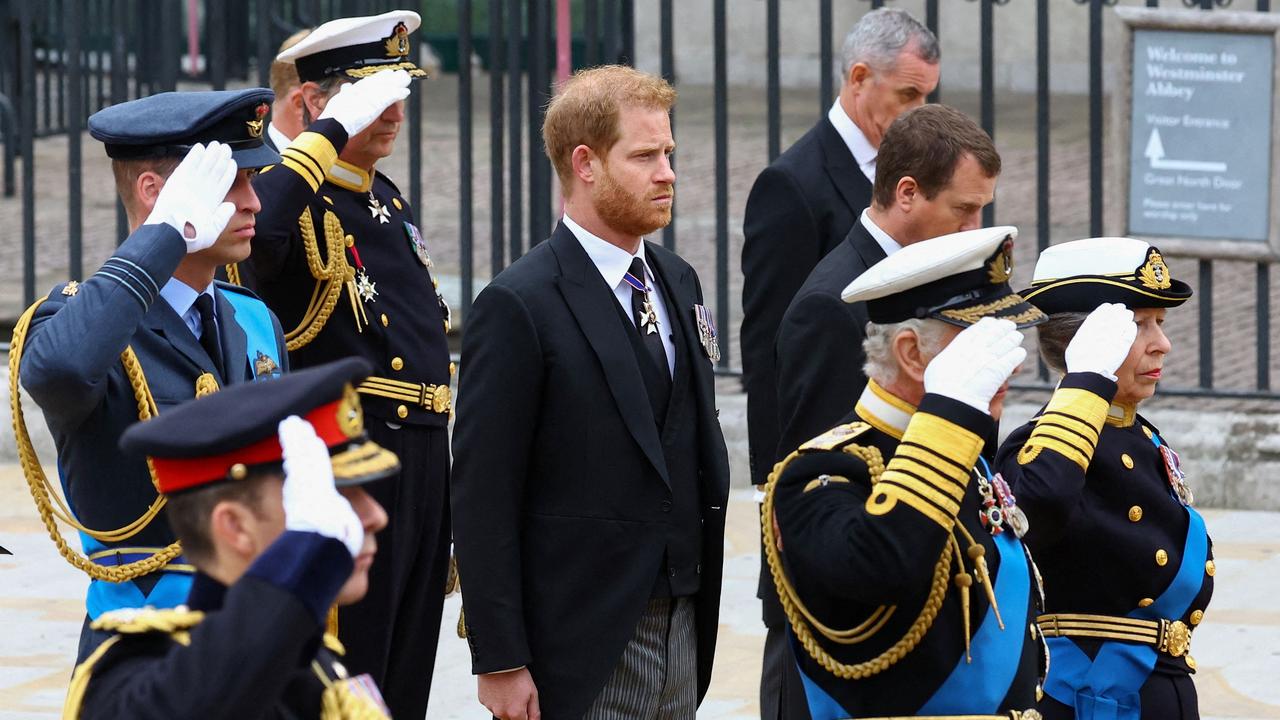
[1155, 153]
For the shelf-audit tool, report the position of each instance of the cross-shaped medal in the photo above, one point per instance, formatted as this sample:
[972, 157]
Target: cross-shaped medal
[378, 210]
[648, 317]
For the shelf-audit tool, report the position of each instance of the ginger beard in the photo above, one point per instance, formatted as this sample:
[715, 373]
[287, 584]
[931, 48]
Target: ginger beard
[625, 212]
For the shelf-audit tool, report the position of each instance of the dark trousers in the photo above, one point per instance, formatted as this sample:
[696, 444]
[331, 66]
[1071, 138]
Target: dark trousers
[393, 632]
[781, 689]
[1164, 697]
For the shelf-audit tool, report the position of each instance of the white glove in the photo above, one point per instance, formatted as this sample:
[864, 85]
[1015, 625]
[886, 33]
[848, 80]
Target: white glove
[311, 502]
[191, 200]
[977, 363]
[356, 105]
[1103, 341]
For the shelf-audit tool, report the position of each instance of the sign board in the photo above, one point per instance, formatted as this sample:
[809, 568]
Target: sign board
[1197, 117]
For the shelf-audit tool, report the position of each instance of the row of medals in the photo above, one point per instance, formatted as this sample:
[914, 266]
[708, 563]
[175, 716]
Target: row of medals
[365, 285]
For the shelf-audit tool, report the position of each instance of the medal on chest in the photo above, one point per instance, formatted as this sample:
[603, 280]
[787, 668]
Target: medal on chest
[1177, 478]
[648, 320]
[377, 210]
[360, 289]
[418, 245]
[998, 506]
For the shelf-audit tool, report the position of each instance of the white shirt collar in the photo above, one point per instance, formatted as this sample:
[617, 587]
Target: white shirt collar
[278, 138]
[886, 243]
[863, 153]
[612, 261]
[182, 298]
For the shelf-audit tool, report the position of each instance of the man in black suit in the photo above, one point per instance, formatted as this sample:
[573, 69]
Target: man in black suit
[937, 171]
[799, 209]
[590, 474]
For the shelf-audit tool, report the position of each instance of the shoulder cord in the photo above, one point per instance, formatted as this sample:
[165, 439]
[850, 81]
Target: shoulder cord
[797, 614]
[331, 275]
[46, 497]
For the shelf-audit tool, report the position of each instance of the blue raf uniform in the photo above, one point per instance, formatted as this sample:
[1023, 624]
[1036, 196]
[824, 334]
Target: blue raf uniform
[352, 277]
[255, 648]
[95, 353]
[894, 548]
[1127, 560]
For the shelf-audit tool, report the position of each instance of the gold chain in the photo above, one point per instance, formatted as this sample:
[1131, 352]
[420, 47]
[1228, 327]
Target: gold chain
[46, 498]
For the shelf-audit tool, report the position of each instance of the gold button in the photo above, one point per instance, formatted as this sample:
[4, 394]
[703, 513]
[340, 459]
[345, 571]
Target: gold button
[396, 201]
[1145, 602]
[327, 199]
[1191, 662]
[435, 284]
[1033, 631]
[1147, 430]
[453, 369]
[239, 471]
[1135, 514]
[1162, 557]
[350, 240]
[397, 363]
[1128, 461]
[403, 412]
[385, 320]
[1197, 616]
[1210, 568]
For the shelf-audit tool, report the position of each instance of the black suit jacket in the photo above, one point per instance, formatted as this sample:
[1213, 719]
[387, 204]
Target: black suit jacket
[819, 346]
[800, 208]
[559, 481]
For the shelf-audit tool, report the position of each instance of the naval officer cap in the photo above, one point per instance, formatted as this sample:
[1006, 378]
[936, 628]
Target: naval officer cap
[232, 433]
[168, 124]
[356, 47]
[1080, 275]
[958, 278]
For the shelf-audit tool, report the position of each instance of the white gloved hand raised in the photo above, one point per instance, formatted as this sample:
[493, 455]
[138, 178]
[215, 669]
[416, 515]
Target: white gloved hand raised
[191, 200]
[1102, 343]
[311, 502]
[977, 363]
[356, 105]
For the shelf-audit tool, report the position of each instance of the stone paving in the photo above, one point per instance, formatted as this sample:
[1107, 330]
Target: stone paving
[41, 608]
[1234, 313]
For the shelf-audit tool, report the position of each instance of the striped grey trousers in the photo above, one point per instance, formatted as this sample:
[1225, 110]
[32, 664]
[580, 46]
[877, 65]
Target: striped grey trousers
[657, 676]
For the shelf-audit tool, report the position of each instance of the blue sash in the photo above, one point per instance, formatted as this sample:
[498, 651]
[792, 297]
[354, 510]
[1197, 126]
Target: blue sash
[170, 590]
[980, 686]
[253, 317]
[1108, 687]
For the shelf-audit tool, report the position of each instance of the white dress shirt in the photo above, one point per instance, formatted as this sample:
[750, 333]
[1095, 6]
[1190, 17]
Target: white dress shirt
[863, 153]
[886, 243]
[613, 262]
[278, 138]
[182, 298]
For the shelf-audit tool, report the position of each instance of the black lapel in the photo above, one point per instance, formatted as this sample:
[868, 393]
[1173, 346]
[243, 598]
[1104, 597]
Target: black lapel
[683, 297]
[591, 303]
[843, 169]
[165, 322]
[234, 342]
[868, 249]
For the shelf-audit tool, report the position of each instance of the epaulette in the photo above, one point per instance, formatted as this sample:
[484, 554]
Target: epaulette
[835, 438]
[240, 289]
[137, 621]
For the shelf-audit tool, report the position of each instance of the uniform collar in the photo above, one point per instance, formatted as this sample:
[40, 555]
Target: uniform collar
[854, 139]
[181, 296]
[882, 238]
[612, 261]
[349, 177]
[206, 593]
[883, 411]
[1121, 415]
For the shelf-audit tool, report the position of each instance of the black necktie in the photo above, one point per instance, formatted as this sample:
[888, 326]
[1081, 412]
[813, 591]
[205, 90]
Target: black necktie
[644, 311]
[209, 330]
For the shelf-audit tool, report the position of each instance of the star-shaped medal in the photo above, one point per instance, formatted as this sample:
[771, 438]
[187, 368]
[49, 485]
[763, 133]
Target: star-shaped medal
[366, 287]
[648, 318]
[378, 210]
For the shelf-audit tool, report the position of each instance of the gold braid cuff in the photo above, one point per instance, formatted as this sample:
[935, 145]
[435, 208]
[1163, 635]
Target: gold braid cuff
[1069, 426]
[929, 471]
[49, 503]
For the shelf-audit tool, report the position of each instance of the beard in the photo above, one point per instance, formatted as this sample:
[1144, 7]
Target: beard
[628, 214]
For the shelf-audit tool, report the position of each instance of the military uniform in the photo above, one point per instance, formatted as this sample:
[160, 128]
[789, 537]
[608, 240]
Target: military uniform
[98, 355]
[1126, 559]
[353, 277]
[255, 649]
[895, 549]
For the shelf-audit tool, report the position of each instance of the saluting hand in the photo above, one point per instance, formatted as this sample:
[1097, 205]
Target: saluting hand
[191, 200]
[976, 364]
[356, 105]
[1102, 343]
[311, 502]
[509, 695]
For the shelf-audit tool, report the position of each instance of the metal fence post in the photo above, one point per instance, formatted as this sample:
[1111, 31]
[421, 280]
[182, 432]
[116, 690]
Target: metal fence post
[465, 201]
[75, 118]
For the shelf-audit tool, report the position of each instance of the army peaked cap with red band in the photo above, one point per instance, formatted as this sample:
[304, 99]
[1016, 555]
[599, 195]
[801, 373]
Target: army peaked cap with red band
[232, 433]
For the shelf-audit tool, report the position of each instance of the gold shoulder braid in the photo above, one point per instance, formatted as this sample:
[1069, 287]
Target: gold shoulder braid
[49, 503]
[802, 620]
[341, 702]
[331, 274]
